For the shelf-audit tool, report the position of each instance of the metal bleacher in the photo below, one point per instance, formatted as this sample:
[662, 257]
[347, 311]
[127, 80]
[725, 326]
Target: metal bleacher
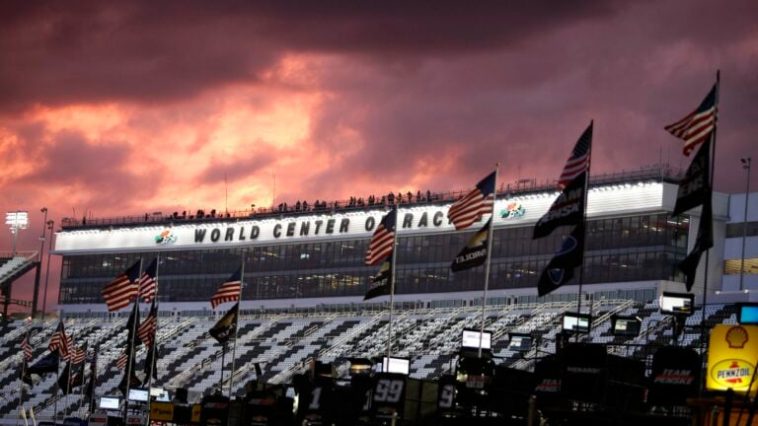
[284, 344]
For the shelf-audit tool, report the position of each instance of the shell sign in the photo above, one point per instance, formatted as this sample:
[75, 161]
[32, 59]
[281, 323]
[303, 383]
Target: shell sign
[732, 356]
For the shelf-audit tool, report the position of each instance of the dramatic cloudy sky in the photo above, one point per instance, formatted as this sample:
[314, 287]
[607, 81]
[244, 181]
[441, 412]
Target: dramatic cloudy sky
[114, 108]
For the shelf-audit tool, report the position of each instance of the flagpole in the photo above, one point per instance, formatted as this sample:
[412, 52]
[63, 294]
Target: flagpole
[23, 372]
[57, 380]
[236, 327]
[710, 202]
[154, 349]
[392, 281]
[490, 233]
[585, 195]
[93, 380]
[68, 378]
[131, 355]
[81, 387]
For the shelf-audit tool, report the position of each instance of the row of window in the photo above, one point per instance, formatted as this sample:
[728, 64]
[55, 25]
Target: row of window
[605, 234]
[599, 267]
[736, 230]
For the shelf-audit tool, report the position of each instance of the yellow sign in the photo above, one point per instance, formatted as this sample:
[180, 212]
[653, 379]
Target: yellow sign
[196, 410]
[732, 357]
[162, 411]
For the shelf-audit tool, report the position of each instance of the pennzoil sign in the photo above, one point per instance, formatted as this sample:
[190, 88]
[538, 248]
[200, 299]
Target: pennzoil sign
[731, 355]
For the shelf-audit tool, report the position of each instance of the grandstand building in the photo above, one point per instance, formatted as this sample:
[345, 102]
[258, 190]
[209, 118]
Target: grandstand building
[310, 257]
[305, 281]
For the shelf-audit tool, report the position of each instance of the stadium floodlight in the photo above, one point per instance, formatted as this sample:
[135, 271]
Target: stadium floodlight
[16, 221]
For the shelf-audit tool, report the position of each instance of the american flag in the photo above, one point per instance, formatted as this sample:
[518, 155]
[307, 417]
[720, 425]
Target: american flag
[122, 360]
[123, 289]
[380, 245]
[79, 355]
[146, 330]
[579, 161]
[229, 290]
[147, 282]
[61, 342]
[469, 209]
[697, 126]
[27, 348]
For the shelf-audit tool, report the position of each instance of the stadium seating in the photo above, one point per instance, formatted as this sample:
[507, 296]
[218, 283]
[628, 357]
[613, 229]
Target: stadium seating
[284, 344]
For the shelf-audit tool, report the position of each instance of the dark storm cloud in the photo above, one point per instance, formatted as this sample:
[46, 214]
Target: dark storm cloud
[57, 52]
[99, 171]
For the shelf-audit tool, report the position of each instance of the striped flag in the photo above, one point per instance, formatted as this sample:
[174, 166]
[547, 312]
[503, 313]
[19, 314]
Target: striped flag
[147, 283]
[27, 348]
[123, 289]
[470, 209]
[122, 360]
[61, 342]
[146, 329]
[79, 355]
[380, 245]
[229, 290]
[579, 160]
[697, 126]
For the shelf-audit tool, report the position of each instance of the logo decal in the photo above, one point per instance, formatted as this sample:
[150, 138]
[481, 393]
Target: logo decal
[736, 337]
[733, 373]
[513, 210]
[165, 237]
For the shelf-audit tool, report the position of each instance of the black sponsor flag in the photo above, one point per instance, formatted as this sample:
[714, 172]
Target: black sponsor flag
[48, 364]
[92, 383]
[478, 202]
[380, 245]
[132, 326]
[567, 209]
[697, 126]
[123, 289]
[151, 365]
[560, 269]
[229, 290]
[695, 187]
[71, 377]
[134, 381]
[25, 376]
[703, 242]
[475, 252]
[381, 285]
[225, 326]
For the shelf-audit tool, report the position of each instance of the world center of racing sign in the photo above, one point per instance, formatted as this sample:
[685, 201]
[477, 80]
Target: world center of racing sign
[519, 211]
[732, 355]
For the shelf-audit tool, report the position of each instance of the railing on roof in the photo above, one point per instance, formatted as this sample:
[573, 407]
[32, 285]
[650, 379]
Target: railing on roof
[659, 173]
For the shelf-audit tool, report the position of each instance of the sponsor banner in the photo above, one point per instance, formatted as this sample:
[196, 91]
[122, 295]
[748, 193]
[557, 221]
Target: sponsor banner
[211, 233]
[732, 355]
[162, 411]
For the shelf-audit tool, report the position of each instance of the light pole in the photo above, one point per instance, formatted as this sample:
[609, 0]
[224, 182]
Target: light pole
[50, 224]
[745, 165]
[35, 297]
[16, 221]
